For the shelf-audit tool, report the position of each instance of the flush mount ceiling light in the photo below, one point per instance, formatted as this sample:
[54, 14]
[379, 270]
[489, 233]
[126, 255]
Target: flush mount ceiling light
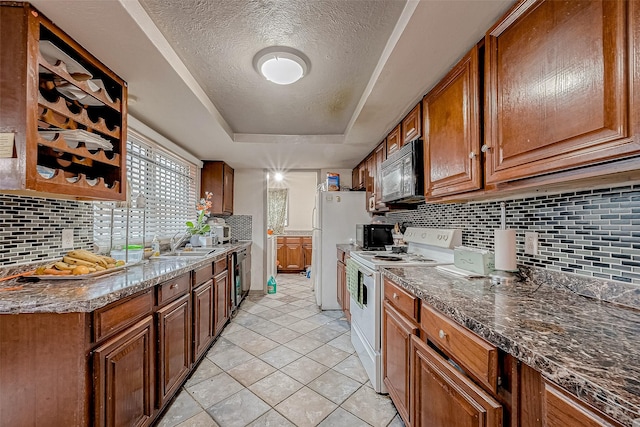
[281, 65]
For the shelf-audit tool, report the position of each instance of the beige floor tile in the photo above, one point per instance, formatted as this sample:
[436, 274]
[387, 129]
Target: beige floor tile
[271, 302]
[238, 410]
[202, 419]
[328, 355]
[339, 325]
[302, 303]
[320, 319]
[285, 320]
[271, 419]
[374, 408]
[306, 408]
[280, 356]
[276, 387]
[213, 390]
[334, 386]
[304, 370]
[302, 326]
[324, 334]
[182, 408]
[270, 313]
[342, 418]
[396, 422]
[242, 336]
[282, 335]
[264, 327]
[259, 345]
[343, 342]
[251, 371]
[206, 369]
[303, 344]
[232, 328]
[255, 308]
[231, 356]
[303, 313]
[352, 367]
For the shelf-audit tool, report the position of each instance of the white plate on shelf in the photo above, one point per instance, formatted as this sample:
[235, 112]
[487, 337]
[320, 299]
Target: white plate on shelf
[52, 54]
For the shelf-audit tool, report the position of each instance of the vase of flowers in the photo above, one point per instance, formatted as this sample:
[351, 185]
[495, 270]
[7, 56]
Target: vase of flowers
[200, 228]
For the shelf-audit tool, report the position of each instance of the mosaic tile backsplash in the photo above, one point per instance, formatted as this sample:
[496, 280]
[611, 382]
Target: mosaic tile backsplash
[31, 228]
[240, 226]
[594, 233]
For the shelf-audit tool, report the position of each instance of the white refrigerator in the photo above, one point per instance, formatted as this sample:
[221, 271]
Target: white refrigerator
[334, 222]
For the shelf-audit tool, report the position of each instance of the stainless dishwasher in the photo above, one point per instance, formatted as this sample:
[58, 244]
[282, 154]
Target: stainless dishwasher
[241, 276]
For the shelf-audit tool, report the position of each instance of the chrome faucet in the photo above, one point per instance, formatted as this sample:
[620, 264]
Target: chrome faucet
[176, 244]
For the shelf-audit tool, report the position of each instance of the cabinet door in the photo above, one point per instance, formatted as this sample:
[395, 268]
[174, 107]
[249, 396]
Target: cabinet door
[174, 346]
[227, 201]
[394, 140]
[281, 250]
[441, 396]
[396, 354]
[294, 255]
[340, 283]
[203, 332]
[412, 125]
[124, 377]
[560, 410]
[556, 87]
[307, 250]
[221, 298]
[452, 131]
[380, 154]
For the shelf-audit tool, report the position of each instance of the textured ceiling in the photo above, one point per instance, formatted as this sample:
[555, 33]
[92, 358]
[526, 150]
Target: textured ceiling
[218, 39]
[168, 94]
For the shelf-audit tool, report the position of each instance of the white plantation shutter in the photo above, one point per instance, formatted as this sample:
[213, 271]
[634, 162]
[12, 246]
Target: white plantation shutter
[169, 188]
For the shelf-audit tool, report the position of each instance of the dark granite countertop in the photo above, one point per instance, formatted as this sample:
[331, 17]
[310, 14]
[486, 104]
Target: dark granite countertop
[588, 347]
[65, 296]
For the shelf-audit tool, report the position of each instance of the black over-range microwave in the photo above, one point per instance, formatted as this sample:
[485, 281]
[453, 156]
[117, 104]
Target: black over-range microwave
[403, 175]
[374, 237]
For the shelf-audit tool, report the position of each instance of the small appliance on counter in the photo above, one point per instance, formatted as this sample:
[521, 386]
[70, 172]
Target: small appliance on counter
[374, 237]
[220, 229]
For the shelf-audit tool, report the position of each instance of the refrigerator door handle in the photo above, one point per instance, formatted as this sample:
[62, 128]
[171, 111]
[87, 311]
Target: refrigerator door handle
[313, 218]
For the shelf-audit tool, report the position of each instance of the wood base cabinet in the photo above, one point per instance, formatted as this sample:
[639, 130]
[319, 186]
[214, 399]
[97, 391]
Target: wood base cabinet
[203, 315]
[341, 281]
[124, 377]
[174, 346]
[294, 253]
[444, 397]
[397, 353]
[221, 301]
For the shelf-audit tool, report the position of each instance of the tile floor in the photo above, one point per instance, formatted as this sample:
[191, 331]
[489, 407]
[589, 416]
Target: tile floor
[281, 362]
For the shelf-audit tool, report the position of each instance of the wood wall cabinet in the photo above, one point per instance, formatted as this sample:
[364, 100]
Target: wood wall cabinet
[124, 377]
[380, 155]
[452, 131]
[37, 107]
[174, 346]
[394, 140]
[294, 253]
[557, 88]
[412, 125]
[217, 178]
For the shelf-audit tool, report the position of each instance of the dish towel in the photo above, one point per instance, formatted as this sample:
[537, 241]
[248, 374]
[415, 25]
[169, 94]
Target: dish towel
[354, 286]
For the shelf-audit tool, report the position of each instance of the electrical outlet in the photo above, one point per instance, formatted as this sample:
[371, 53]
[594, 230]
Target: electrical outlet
[531, 243]
[67, 238]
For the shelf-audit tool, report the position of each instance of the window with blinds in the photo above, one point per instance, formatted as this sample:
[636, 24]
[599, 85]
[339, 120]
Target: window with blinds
[163, 183]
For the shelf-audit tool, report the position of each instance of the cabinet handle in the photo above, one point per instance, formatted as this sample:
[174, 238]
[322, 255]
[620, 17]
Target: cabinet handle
[173, 286]
[472, 155]
[395, 296]
[485, 148]
[442, 334]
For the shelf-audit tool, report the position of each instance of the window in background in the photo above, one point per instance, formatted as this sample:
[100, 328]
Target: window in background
[168, 184]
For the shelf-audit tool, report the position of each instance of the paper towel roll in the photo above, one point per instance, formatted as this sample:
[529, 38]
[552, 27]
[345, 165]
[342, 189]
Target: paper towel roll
[505, 248]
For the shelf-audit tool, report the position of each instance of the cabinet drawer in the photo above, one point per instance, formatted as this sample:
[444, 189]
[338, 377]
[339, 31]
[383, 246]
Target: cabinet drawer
[561, 409]
[401, 299]
[115, 317]
[219, 266]
[202, 274]
[476, 356]
[171, 289]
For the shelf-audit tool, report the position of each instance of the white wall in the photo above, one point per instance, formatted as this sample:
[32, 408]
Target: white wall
[302, 197]
[250, 199]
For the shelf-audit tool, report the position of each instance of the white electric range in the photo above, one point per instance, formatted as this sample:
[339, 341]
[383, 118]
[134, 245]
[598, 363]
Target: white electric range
[425, 247]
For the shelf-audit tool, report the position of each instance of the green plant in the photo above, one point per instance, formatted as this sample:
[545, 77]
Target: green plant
[203, 208]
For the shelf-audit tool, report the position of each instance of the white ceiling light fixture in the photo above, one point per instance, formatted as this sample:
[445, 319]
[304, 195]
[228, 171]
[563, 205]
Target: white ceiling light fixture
[281, 65]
